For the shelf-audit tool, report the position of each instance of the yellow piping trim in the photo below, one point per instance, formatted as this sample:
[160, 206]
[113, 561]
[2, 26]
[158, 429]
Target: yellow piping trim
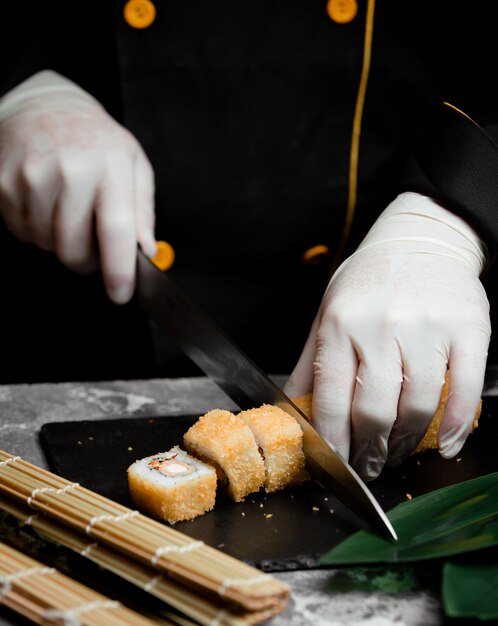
[459, 111]
[355, 139]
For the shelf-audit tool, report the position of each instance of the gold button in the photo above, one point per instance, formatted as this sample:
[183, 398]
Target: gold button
[314, 255]
[164, 257]
[139, 13]
[342, 11]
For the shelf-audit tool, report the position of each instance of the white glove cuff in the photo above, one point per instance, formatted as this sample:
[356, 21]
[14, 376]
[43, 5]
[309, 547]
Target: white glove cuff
[35, 88]
[432, 229]
[475, 258]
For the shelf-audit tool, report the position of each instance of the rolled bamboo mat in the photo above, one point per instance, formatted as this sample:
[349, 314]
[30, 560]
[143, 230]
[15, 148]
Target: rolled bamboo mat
[46, 596]
[206, 611]
[191, 562]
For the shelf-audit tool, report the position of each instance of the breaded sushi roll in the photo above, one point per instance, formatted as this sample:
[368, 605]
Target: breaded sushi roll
[172, 486]
[430, 439]
[305, 403]
[280, 440]
[226, 442]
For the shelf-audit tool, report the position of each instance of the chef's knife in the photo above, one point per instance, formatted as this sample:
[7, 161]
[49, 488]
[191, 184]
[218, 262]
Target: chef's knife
[247, 385]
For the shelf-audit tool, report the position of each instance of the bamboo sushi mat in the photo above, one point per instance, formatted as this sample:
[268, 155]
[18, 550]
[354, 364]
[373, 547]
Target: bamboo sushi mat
[202, 583]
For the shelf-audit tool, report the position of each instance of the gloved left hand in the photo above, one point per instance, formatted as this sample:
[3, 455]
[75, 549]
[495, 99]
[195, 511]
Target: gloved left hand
[75, 182]
[403, 308]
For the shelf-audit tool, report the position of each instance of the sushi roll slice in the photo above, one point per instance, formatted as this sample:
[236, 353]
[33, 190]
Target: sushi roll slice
[305, 403]
[430, 439]
[280, 440]
[172, 486]
[225, 441]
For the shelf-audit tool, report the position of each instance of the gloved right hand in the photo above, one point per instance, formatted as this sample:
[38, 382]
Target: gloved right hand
[75, 182]
[400, 311]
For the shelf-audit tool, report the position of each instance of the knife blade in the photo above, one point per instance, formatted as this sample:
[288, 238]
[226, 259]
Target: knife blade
[212, 350]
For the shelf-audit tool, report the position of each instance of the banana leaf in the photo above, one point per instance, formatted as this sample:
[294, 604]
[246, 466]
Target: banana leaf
[384, 579]
[470, 590]
[448, 521]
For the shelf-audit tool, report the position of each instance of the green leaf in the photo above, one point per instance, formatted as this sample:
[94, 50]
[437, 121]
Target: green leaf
[382, 579]
[470, 590]
[444, 522]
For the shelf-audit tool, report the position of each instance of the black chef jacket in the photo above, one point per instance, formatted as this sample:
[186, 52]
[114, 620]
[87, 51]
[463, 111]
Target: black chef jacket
[246, 111]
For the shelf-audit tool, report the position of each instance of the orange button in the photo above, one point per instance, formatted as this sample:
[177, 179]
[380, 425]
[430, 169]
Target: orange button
[139, 13]
[164, 257]
[342, 11]
[314, 255]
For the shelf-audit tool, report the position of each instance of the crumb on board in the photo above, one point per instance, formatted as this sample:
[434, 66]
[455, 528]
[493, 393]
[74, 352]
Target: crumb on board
[418, 462]
[331, 511]
[90, 438]
[243, 514]
[459, 459]
[261, 505]
[80, 443]
[409, 496]
[221, 545]
[315, 508]
[268, 515]
[130, 448]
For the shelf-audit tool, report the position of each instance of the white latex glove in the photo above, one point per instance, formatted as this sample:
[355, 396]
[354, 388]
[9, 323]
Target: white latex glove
[399, 311]
[74, 181]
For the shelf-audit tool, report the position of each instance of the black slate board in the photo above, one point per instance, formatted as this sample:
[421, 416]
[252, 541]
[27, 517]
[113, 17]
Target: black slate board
[287, 530]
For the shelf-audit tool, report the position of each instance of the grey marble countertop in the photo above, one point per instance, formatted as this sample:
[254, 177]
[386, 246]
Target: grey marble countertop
[25, 408]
